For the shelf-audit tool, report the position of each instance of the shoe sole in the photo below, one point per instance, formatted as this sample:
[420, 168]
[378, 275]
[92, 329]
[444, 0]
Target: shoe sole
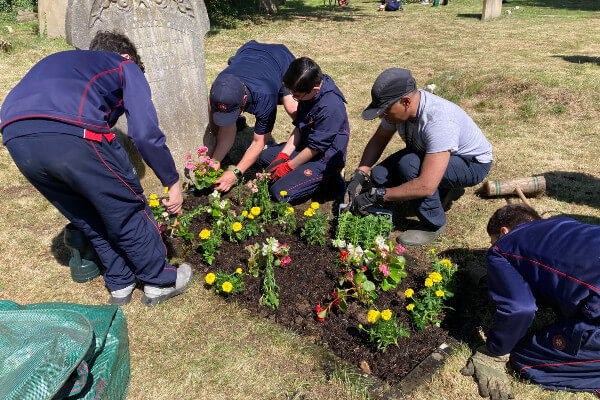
[120, 301]
[154, 301]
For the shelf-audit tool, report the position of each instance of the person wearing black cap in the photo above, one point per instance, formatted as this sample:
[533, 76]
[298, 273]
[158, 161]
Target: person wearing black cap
[445, 152]
[251, 83]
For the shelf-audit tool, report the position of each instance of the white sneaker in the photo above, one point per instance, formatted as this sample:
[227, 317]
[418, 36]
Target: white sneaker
[121, 297]
[154, 295]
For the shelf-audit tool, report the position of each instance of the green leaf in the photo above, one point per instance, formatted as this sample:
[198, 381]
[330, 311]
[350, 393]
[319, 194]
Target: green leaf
[368, 285]
[343, 306]
[322, 314]
[385, 285]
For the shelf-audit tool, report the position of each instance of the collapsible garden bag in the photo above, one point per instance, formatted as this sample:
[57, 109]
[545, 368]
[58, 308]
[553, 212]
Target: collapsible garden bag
[58, 350]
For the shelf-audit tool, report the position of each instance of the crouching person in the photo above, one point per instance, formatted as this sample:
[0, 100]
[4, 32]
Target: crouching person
[315, 153]
[552, 261]
[56, 126]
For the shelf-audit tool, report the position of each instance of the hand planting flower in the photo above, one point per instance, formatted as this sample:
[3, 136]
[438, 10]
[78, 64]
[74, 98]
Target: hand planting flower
[409, 293]
[210, 278]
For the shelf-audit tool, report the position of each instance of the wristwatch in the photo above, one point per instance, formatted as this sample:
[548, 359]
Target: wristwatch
[380, 192]
[238, 174]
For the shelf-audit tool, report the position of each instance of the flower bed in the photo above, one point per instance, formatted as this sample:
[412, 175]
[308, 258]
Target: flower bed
[368, 306]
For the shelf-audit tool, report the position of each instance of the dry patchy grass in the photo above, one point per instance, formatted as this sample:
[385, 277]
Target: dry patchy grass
[529, 79]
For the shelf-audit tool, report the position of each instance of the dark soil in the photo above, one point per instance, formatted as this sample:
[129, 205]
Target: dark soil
[309, 280]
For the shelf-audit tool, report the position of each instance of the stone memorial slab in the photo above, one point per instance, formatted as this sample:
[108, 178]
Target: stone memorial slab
[169, 36]
[51, 15]
[491, 9]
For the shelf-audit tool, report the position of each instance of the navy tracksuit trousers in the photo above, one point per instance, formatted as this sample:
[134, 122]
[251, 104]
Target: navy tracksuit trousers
[94, 185]
[405, 165]
[304, 180]
[563, 356]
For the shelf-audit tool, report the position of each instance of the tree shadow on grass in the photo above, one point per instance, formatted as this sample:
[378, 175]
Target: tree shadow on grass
[580, 59]
[582, 5]
[573, 187]
[59, 250]
[476, 16]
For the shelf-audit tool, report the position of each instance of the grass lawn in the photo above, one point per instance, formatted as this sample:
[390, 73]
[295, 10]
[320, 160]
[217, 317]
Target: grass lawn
[530, 80]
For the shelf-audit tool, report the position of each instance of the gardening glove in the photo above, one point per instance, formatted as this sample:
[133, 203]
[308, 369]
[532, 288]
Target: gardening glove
[357, 181]
[280, 159]
[280, 171]
[489, 370]
[374, 197]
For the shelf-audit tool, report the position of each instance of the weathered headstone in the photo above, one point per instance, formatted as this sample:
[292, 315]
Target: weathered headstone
[51, 15]
[169, 36]
[491, 9]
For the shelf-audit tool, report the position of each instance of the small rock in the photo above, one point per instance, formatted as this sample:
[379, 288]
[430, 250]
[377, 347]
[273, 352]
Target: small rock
[437, 356]
[9, 28]
[431, 87]
[365, 367]
[508, 12]
[26, 16]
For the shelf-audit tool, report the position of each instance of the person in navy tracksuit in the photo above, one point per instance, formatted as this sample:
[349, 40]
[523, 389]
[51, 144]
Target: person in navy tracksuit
[315, 153]
[251, 83]
[56, 126]
[554, 262]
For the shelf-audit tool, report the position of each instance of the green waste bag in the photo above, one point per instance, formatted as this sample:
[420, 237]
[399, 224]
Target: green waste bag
[55, 351]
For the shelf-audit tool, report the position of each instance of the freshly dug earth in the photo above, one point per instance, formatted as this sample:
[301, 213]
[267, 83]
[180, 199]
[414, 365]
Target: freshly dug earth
[310, 279]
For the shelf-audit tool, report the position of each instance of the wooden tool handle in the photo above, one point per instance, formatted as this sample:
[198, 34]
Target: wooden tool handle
[522, 196]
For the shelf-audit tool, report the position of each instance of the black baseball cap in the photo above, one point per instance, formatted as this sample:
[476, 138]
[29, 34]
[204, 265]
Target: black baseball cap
[226, 99]
[389, 87]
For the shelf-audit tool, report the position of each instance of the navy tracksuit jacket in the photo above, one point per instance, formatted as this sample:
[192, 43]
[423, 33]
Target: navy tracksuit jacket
[324, 126]
[554, 262]
[56, 125]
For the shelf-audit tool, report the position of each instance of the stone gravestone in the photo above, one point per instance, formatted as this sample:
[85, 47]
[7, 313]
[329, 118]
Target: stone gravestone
[51, 15]
[169, 36]
[491, 9]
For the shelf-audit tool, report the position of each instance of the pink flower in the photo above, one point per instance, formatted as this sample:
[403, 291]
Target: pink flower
[400, 249]
[190, 165]
[285, 261]
[384, 270]
[254, 190]
[188, 157]
[259, 175]
[351, 274]
[201, 150]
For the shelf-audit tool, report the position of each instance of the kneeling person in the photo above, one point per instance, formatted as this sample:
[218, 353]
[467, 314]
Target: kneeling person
[316, 150]
[555, 261]
[445, 152]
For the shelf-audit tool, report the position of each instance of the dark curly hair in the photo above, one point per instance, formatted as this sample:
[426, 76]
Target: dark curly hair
[116, 43]
[510, 216]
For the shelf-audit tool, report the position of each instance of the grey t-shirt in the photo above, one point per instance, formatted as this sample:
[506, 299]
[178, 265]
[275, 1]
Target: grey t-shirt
[441, 126]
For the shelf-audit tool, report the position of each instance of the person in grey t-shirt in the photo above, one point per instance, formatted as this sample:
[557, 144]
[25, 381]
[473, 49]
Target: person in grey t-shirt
[445, 152]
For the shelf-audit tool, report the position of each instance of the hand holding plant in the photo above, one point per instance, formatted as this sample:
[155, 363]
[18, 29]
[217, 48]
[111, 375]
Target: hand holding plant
[206, 171]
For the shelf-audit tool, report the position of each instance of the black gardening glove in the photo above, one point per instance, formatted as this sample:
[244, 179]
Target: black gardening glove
[357, 181]
[373, 197]
[489, 370]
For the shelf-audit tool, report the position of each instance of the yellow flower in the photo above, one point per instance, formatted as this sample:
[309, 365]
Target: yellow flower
[386, 315]
[409, 293]
[309, 213]
[236, 227]
[428, 282]
[153, 197]
[314, 205]
[204, 234]
[373, 316]
[435, 277]
[446, 263]
[166, 190]
[255, 211]
[239, 271]
[432, 251]
[283, 193]
[410, 306]
[153, 203]
[289, 210]
[244, 213]
[439, 293]
[227, 286]
[210, 278]
[250, 216]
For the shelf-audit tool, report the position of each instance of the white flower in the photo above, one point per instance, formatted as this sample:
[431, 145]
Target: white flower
[223, 204]
[380, 241]
[219, 222]
[215, 194]
[165, 214]
[358, 252]
[339, 243]
[350, 248]
[265, 249]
